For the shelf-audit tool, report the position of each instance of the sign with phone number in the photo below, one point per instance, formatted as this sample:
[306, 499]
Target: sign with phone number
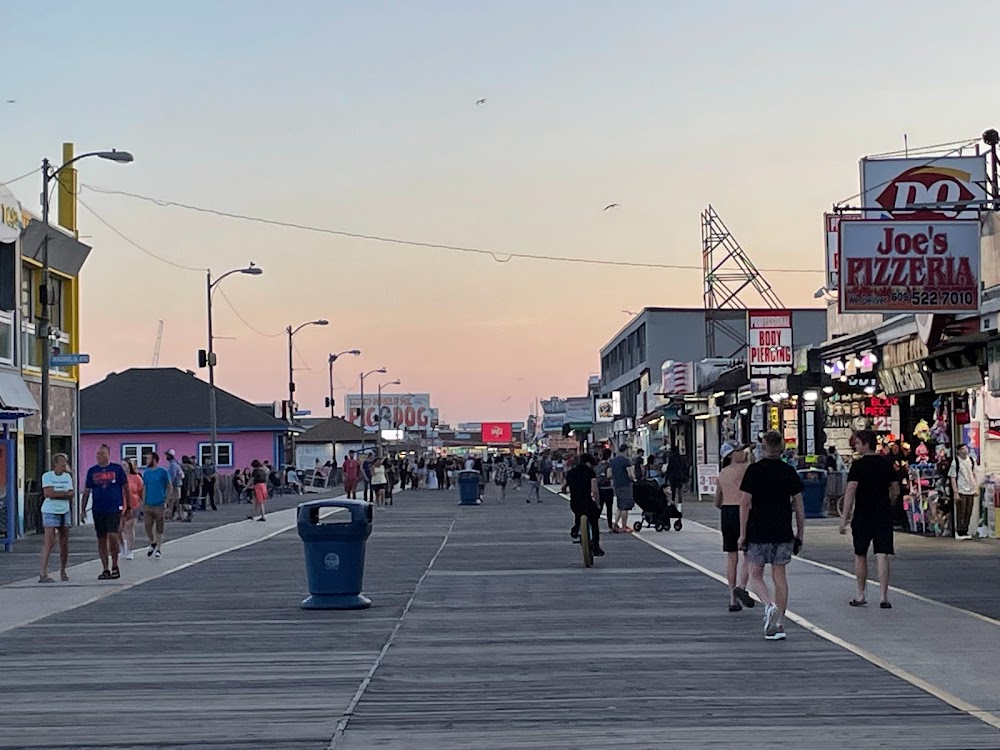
[909, 266]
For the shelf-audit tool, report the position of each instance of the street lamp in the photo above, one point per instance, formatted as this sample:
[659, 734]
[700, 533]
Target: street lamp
[250, 270]
[334, 358]
[291, 380]
[380, 371]
[380, 387]
[44, 331]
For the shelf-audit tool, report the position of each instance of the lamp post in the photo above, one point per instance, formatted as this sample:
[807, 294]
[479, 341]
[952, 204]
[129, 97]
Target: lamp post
[250, 270]
[291, 380]
[380, 387]
[43, 330]
[334, 358]
[364, 375]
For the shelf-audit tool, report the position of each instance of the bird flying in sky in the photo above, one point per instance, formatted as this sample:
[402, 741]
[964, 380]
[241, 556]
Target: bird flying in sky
[611, 205]
[480, 101]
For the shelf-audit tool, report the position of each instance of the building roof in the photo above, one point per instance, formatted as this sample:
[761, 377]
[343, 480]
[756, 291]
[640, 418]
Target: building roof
[335, 430]
[165, 399]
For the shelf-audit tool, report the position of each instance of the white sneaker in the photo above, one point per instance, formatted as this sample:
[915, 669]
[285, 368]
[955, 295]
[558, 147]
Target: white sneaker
[157, 554]
[777, 635]
[770, 621]
[130, 555]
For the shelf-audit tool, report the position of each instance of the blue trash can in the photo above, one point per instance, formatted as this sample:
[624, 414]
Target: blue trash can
[813, 492]
[468, 487]
[334, 548]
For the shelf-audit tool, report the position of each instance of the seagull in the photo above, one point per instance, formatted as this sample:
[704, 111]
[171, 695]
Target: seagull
[480, 101]
[612, 205]
[11, 101]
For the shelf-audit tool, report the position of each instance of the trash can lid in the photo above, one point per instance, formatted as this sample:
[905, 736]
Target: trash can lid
[333, 502]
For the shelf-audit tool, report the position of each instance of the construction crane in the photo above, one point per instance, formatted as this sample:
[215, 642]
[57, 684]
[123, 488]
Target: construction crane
[156, 349]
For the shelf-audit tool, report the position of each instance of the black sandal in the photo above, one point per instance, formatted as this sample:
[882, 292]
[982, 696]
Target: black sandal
[735, 607]
[115, 573]
[885, 605]
[105, 576]
[858, 602]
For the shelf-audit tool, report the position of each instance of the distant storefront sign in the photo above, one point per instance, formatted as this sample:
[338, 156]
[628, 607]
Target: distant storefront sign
[769, 343]
[11, 222]
[497, 433]
[909, 266]
[832, 226]
[604, 410]
[677, 378]
[917, 189]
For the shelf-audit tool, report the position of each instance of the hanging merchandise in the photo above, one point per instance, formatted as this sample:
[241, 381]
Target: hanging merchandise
[939, 432]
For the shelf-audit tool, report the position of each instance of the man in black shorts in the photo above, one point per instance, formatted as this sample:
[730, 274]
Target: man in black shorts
[584, 500]
[872, 488]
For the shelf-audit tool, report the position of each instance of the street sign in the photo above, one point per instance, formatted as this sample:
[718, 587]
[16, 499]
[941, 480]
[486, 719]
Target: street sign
[68, 360]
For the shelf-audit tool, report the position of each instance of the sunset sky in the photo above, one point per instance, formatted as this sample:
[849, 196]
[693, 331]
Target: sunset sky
[362, 117]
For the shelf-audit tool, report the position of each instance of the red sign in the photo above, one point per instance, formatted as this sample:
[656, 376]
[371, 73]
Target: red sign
[880, 407]
[927, 185]
[497, 432]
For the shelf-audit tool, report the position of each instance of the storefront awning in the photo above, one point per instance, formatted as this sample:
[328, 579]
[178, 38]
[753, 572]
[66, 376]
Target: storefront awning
[15, 396]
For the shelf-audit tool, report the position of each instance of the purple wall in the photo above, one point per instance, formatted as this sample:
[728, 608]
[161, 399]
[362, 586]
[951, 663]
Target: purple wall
[246, 446]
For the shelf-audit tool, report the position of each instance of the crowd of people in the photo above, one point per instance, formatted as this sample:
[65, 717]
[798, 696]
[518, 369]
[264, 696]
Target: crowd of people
[118, 495]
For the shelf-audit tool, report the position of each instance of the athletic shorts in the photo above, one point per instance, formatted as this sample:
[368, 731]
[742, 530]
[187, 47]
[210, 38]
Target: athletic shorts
[876, 535]
[770, 553]
[623, 495]
[55, 520]
[107, 523]
[730, 528]
[260, 493]
[379, 487]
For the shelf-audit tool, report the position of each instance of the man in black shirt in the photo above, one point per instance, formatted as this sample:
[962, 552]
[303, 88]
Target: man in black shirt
[872, 488]
[584, 499]
[766, 534]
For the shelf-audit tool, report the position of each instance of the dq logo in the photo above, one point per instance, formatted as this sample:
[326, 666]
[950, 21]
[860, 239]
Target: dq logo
[926, 186]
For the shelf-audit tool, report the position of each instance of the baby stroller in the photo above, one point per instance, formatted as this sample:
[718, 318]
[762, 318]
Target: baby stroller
[657, 510]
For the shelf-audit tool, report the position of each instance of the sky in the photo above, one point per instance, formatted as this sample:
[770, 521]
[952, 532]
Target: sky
[362, 117]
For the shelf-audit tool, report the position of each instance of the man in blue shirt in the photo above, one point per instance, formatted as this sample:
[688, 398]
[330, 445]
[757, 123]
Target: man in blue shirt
[107, 484]
[622, 476]
[156, 480]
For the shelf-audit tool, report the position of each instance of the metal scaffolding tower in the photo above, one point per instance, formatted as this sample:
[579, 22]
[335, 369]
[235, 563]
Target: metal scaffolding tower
[728, 274]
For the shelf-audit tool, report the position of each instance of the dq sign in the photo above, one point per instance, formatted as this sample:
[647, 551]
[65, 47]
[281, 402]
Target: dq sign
[909, 266]
[914, 189]
[497, 433]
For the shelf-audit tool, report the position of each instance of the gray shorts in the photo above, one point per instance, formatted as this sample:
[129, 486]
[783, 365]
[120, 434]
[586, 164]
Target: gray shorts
[623, 495]
[770, 554]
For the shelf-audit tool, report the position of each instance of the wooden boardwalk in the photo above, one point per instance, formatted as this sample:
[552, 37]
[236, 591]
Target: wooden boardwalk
[507, 642]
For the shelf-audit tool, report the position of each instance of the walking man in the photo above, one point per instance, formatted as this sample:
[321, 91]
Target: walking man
[366, 470]
[965, 487]
[872, 488]
[107, 483]
[766, 534]
[728, 499]
[156, 481]
[501, 473]
[622, 477]
[208, 489]
[57, 487]
[534, 480]
[176, 483]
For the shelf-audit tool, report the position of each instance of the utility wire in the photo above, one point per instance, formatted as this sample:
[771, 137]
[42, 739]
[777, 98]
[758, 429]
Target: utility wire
[871, 188]
[135, 244]
[18, 179]
[243, 320]
[295, 348]
[497, 255]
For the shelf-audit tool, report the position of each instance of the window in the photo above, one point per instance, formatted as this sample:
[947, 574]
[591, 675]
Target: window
[137, 452]
[7, 337]
[223, 453]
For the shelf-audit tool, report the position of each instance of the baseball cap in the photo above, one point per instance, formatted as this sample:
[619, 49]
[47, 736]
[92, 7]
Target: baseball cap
[170, 453]
[728, 448]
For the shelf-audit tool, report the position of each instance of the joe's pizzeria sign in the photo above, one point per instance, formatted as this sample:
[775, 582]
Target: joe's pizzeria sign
[909, 266]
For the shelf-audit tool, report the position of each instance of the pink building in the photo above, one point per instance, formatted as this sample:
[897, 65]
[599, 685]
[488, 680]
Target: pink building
[144, 410]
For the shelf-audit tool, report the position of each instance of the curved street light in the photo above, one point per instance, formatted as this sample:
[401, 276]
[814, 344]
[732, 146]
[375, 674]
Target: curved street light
[291, 380]
[333, 358]
[44, 331]
[250, 270]
[379, 371]
[380, 387]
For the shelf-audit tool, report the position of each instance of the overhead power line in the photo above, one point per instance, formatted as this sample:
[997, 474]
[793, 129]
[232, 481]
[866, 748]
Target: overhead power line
[243, 320]
[18, 179]
[497, 255]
